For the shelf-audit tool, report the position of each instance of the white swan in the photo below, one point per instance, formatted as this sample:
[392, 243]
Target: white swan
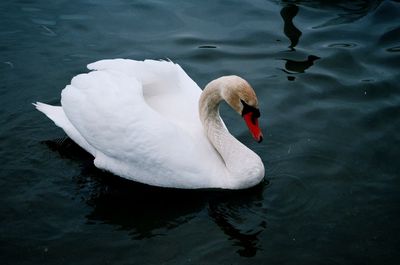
[148, 121]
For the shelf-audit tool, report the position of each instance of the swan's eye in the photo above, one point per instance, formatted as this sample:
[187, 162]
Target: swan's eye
[247, 108]
[255, 113]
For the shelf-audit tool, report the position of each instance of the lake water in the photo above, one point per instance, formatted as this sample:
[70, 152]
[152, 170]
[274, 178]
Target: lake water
[326, 74]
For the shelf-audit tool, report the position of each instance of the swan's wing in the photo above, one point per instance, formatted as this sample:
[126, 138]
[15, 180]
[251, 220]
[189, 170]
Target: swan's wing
[131, 138]
[167, 89]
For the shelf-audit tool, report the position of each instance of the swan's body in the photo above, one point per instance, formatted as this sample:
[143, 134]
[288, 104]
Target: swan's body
[142, 121]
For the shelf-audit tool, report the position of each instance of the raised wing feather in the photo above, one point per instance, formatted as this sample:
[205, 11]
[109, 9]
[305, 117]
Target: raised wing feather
[167, 89]
[123, 110]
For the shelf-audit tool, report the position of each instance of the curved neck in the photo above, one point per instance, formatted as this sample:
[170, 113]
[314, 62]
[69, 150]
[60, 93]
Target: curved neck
[240, 161]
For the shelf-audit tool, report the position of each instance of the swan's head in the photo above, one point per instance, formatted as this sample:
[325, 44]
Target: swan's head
[238, 93]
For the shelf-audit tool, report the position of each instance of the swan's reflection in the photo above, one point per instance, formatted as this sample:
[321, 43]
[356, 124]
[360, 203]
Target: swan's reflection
[235, 216]
[291, 31]
[140, 209]
[145, 211]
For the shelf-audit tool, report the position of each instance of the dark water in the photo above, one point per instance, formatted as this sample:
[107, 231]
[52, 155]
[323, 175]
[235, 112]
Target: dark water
[326, 76]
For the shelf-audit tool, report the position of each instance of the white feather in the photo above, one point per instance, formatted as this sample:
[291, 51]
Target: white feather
[140, 120]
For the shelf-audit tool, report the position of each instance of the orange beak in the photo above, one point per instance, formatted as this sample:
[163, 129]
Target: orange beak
[252, 124]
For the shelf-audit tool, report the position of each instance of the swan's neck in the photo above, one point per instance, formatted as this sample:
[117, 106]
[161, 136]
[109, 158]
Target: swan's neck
[243, 165]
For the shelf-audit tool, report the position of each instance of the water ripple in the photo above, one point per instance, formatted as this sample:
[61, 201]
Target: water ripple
[342, 45]
[394, 49]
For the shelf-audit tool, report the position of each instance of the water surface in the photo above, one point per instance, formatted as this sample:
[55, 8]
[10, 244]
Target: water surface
[326, 74]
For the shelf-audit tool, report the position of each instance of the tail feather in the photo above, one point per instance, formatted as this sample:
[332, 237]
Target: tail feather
[54, 113]
[57, 115]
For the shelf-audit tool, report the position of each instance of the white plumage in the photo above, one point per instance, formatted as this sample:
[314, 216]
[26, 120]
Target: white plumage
[140, 120]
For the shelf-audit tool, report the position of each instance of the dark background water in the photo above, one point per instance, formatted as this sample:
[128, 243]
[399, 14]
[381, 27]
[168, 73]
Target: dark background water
[326, 74]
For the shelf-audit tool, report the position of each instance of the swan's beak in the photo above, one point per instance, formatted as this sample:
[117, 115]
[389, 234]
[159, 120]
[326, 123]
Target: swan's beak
[252, 123]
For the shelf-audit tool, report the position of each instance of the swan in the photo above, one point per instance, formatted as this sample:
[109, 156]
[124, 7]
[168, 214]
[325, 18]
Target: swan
[149, 122]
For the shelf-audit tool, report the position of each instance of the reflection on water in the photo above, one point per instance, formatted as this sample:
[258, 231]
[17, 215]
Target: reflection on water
[300, 66]
[137, 208]
[291, 31]
[344, 11]
[248, 242]
[230, 212]
[288, 13]
[141, 210]
[145, 211]
[293, 67]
